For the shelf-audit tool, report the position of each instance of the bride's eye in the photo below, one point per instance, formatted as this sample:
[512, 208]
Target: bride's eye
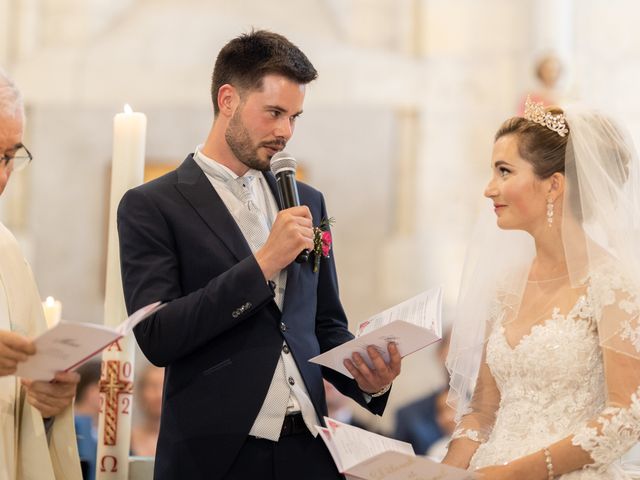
[503, 171]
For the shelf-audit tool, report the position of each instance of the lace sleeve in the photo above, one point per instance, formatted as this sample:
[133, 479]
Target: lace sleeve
[468, 433]
[617, 428]
[477, 424]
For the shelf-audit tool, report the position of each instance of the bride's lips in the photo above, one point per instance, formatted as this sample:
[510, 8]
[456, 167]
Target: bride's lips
[498, 206]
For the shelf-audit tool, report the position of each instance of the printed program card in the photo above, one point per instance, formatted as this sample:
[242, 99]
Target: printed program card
[364, 455]
[412, 325]
[68, 345]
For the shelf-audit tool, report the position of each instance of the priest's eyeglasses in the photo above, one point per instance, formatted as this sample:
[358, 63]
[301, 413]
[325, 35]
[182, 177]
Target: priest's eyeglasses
[19, 157]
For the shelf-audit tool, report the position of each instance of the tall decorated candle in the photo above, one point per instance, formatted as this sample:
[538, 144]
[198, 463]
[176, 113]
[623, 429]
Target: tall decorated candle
[116, 383]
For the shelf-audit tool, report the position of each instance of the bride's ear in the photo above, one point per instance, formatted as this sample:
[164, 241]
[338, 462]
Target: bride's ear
[556, 185]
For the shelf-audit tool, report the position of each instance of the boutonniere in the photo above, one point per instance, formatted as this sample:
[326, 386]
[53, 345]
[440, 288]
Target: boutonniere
[321, 242]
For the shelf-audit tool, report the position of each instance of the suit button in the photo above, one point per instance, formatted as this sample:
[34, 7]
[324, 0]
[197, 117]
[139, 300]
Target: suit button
[291, 381]
[283, 326]
[285, 349]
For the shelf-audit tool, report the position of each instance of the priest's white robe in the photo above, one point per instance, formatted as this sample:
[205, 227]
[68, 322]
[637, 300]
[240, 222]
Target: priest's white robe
[26, 452]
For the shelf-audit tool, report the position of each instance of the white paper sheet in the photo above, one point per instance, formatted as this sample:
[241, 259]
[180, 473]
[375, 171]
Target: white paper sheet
[412, 325]
[360, 454]
[351, 445]
[399, 466]
[68, 345]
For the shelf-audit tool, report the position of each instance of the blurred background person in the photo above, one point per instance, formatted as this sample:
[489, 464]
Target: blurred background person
[425, 421]
[445, 420]
[549, 72]
[86, 410]
[144, 433]
[340, 408]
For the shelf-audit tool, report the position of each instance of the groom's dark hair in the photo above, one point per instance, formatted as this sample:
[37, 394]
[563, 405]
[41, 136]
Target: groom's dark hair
[245, 60]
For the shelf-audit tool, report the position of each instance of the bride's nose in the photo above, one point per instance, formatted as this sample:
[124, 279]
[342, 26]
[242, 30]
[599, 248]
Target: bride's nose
[490, 190]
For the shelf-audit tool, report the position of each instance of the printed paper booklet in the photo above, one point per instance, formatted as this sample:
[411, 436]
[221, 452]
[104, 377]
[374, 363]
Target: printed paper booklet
[68, 345]
[360, 454]
[412, 325]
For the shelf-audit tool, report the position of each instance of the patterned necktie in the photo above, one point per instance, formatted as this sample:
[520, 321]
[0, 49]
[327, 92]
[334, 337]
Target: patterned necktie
[252, 222]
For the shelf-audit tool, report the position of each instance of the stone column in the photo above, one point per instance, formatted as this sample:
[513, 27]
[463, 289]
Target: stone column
[552, 27]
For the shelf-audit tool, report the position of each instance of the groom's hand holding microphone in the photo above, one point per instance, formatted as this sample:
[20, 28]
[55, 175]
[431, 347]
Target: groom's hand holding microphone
[291, 233]
[291, 236]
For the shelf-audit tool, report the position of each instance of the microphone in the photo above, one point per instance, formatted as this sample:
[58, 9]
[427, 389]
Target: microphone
[283, 167]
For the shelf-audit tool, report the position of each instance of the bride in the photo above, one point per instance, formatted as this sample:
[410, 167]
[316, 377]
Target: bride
[546, 382]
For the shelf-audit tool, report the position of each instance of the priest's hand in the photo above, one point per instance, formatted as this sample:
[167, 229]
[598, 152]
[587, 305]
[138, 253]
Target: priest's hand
[375, 380]
[14, 348]
[51, 398]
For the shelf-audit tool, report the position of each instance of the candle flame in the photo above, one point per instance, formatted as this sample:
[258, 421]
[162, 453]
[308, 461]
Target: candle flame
[50, 301]
[127, 108]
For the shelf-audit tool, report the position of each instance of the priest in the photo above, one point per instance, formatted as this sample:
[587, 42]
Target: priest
[37, 438]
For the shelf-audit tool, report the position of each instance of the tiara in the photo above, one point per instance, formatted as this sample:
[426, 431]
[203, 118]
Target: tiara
[535, 112]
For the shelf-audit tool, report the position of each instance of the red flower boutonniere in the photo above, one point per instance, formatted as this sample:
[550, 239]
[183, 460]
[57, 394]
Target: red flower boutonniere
[321, 242]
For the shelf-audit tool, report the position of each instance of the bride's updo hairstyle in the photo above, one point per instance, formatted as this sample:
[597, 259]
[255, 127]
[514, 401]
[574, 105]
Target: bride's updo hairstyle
[542, 147]
[549, 153]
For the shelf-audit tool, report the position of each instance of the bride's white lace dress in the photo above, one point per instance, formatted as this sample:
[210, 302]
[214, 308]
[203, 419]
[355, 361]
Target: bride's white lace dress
[552, 385]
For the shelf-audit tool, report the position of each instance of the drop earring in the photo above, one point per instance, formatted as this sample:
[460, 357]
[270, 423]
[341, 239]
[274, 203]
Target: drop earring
[549, 212]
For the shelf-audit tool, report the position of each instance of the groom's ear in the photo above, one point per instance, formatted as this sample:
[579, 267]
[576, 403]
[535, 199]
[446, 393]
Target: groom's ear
[228, 99]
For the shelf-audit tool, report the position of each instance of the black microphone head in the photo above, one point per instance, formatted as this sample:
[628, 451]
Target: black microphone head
[282, 162]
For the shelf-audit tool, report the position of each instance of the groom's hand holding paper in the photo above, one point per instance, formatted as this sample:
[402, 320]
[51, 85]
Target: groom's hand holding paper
[374, 355]
[374, 379]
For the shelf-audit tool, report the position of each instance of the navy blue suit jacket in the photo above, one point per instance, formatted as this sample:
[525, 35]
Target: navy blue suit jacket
[180, 244]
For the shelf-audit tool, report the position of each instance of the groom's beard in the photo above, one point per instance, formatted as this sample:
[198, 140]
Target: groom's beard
[239, 141]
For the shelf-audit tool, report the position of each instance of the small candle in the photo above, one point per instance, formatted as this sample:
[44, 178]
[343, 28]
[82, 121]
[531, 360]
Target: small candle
[52, 311]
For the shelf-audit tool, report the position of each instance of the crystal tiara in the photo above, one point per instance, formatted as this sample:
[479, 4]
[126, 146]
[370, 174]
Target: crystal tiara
[535, 112]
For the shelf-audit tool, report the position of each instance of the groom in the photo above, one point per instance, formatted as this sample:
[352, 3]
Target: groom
[243, 318]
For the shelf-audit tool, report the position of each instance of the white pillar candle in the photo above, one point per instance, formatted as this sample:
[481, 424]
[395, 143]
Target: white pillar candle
[116, 384]
[52, 311]
[127, 170]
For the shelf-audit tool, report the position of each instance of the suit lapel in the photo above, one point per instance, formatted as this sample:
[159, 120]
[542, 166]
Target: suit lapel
[271, 181]
[198, 191]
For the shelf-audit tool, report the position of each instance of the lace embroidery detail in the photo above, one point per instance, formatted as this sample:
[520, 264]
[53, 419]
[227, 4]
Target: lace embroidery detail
[631, 333]
[541, 404]
[467, 433]
[619, 430]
